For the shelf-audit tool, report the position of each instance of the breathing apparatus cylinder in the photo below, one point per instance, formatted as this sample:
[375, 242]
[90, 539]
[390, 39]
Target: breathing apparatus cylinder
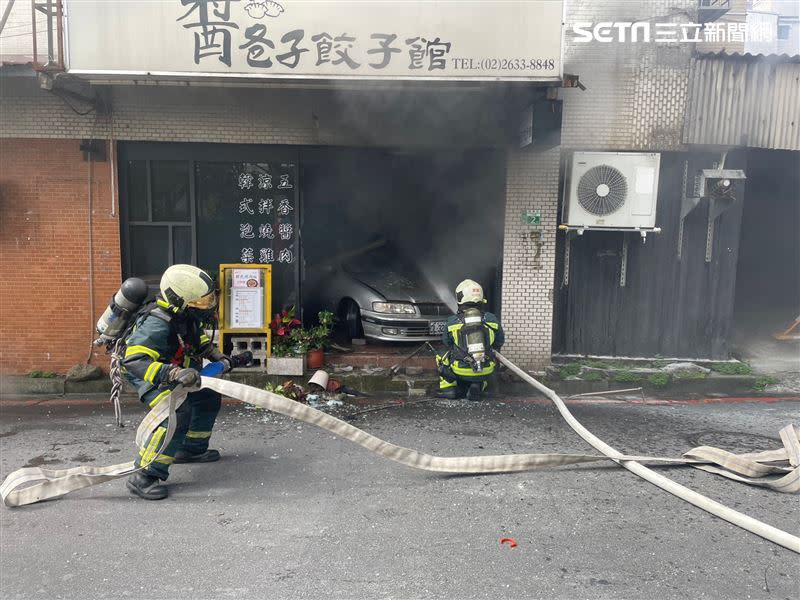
[125, 303]
[475, 338]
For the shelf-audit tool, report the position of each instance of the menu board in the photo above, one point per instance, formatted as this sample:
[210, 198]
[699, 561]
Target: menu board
[246, 299]
[248, 213]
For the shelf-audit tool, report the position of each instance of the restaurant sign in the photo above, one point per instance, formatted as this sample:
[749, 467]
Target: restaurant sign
[323, 39]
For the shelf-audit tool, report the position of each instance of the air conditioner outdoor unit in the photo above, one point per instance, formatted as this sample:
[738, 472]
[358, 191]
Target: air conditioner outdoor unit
[611, 190]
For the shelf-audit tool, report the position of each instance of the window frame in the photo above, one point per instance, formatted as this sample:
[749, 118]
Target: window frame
[192, 153]
[191, 223]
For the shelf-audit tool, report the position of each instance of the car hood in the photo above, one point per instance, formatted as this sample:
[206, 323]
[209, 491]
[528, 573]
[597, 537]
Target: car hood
[399, 287]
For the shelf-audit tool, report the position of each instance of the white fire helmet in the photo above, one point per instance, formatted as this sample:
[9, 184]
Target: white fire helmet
[186, 286]
[469, 292]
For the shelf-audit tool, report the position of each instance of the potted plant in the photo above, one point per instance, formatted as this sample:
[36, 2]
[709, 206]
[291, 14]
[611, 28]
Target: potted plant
[287, 349]
[316, 339]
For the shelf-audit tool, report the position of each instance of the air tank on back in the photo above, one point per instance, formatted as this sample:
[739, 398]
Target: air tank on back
[125, 303]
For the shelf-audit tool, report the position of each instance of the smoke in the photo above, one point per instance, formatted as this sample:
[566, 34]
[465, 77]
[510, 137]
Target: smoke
[429, 177]
[421, 165]
[443, 289]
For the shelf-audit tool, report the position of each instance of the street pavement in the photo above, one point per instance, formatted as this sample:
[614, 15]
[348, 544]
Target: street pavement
[294, 512]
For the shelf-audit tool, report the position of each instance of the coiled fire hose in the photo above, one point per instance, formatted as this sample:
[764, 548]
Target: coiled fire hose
[749, 468]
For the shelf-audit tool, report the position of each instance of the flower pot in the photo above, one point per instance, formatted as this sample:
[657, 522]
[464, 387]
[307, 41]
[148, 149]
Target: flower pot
[315, 359]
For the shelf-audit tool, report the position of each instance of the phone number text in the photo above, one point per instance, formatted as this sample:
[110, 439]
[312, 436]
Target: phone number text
[504, 64]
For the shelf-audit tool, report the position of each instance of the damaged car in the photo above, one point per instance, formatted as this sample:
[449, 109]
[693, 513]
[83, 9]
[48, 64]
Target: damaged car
[380, 294]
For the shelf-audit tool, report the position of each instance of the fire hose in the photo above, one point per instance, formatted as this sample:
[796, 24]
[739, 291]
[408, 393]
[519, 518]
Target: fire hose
[35, 484]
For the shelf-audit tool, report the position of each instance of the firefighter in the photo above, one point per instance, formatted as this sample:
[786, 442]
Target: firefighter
[470, 338]
[164, 349]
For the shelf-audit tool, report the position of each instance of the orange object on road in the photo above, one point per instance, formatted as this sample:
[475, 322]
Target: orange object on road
[788, 335]
[512, 543]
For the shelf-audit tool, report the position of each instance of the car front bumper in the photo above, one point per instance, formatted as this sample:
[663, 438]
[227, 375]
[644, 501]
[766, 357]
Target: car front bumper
[402, 328]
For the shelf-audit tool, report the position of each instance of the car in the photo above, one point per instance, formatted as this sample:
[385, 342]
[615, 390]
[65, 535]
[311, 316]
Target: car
[380, 294]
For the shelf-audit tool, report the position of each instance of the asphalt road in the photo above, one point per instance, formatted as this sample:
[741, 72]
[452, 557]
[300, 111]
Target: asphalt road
[292, 512]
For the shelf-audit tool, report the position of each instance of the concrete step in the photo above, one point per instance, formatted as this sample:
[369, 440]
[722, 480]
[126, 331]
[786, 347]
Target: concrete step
[380, 381]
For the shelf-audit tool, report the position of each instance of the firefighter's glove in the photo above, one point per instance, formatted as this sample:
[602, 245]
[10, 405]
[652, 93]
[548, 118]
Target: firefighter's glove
[234, 362]
[185, 377]
[240, 360]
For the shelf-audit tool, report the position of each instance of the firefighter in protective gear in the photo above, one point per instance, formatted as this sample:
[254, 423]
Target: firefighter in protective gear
[471, 337]
[164, 349]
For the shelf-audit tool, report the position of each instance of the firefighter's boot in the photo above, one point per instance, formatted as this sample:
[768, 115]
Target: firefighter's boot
[184, 456]
[475, 392]
[146, 486]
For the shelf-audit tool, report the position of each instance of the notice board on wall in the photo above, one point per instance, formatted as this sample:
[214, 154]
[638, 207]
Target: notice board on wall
[246, 300]
[248, 213]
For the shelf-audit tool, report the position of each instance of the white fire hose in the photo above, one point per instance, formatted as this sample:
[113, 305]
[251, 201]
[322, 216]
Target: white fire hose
[789, 483]
[35, 484]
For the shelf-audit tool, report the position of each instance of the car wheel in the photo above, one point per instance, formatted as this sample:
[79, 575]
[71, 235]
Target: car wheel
[351, 318]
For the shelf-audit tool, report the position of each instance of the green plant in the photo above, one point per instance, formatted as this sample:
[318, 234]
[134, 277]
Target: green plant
[659, 380]
[569, 370]
[302, 340]
[596, 364]
[762, 381]
[283, 326]
[626, 376]
[42, 375]
[298, 342]
[274, 388]
[690, 375]
[619, 364]
[735, 368]
[593, 376]
[287, 389]
[318, 337]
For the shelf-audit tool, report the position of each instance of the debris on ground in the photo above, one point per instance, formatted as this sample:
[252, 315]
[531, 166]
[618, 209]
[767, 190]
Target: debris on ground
[373, 370]
[680, 368]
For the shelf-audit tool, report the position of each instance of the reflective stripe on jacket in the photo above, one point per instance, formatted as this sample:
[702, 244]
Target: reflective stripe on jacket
[451, 339]
[154, 347]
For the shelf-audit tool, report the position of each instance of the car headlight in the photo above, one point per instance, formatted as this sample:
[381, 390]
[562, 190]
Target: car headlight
[396, 308]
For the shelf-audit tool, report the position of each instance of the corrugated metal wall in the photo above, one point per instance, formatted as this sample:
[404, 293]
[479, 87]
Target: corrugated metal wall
[744, 101]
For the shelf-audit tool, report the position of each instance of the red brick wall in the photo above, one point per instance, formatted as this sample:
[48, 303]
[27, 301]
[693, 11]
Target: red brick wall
[45, 318]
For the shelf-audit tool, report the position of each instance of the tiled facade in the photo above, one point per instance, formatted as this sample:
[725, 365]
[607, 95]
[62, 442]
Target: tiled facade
[635, 92]
[529, 255]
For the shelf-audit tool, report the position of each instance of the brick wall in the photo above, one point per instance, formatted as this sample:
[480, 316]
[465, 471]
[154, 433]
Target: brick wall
[45, 318]
[335, 116]
[169, 114]
[529, 256]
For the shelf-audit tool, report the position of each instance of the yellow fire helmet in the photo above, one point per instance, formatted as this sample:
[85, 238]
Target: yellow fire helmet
[186, 286]
[469, 292]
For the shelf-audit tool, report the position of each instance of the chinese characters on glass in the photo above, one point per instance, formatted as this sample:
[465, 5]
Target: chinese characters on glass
[267, 222]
